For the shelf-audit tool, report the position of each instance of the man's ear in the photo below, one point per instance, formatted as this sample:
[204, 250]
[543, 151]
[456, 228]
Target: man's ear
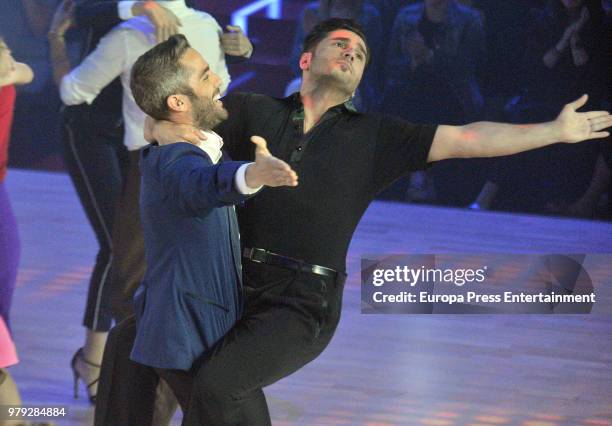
[305, 60]
[178, 103]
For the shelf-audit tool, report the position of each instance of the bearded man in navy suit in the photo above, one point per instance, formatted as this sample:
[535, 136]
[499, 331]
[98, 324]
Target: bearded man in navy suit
[191, 294]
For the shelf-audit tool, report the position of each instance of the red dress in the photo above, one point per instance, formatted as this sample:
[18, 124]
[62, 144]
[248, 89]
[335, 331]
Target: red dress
[7, 102]
[8, 354]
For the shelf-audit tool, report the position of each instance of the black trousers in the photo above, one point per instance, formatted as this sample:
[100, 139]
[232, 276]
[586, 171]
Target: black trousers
[130, 393]
[289, 319]
[128, 265]
[127, 390]
[97, 161]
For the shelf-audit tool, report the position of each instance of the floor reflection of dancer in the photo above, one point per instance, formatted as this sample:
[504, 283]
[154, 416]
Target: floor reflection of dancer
[12, 73]
[296, 239]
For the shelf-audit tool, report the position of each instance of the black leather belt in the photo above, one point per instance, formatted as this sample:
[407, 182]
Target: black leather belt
[263, 256]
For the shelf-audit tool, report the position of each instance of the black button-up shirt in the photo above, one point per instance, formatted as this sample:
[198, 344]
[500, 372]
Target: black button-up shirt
[342, 163]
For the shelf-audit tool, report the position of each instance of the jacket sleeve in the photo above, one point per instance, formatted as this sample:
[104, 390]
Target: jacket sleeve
[193, 183]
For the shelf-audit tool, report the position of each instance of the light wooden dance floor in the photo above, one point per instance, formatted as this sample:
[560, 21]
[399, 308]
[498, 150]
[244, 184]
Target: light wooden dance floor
[431, 370]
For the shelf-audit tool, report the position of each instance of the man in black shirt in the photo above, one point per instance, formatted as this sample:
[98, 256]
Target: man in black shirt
[295, 240]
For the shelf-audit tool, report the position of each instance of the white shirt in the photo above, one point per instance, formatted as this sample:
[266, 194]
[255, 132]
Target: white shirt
[212, 146]
[117, 52]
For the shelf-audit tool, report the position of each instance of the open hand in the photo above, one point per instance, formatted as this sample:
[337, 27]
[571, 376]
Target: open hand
[235, 43]
[267, 169]
[577, 126]
[165, 22]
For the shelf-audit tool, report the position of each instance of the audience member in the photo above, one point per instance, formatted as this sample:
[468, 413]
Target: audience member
[590, 205]
[435, 50]
[567, 54]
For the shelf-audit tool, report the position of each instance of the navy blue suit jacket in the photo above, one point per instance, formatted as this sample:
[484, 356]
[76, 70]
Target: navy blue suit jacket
[191, 294]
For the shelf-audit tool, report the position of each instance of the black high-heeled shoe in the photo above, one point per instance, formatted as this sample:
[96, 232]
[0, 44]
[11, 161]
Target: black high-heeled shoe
[78, 356]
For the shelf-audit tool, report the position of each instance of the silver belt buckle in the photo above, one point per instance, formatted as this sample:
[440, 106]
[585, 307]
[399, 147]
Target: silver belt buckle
[248, 253]
[322, 270]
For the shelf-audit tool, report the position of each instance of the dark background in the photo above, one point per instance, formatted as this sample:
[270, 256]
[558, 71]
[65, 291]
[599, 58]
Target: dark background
[35, 137]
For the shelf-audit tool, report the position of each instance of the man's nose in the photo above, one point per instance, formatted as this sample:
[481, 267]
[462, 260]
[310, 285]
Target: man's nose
[348, 54]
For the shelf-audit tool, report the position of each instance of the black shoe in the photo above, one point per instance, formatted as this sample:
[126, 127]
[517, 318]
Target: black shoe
[79, 357]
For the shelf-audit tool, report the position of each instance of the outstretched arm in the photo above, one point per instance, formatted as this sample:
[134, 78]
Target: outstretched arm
[486, 139]
[196, 185]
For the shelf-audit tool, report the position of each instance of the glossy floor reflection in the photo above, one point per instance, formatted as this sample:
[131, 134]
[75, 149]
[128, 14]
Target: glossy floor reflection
[379, 369]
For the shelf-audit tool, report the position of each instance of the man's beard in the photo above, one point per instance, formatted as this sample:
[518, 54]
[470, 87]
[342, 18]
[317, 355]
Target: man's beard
[205, 114]
[334, 78]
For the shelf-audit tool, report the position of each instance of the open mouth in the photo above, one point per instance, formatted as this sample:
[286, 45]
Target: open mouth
[217, 99]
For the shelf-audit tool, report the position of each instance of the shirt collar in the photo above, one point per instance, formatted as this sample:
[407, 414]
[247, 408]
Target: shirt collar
[212, 145]
[298, 107]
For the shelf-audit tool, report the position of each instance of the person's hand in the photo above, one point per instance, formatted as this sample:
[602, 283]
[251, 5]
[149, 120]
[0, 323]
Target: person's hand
[165, 22]
[235, 43]
[573, 126]
[63, 19]
[16, 73]
[166, 133]
[267, 169]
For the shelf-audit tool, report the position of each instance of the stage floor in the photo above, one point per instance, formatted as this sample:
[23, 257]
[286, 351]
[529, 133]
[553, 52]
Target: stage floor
[432, 370]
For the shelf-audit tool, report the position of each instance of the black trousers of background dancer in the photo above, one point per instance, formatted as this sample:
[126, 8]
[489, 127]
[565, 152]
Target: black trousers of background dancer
[97, 162]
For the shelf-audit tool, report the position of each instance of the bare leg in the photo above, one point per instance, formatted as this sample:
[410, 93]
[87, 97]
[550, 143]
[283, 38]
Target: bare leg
[94, 345]
[87, 362]
[9, 394]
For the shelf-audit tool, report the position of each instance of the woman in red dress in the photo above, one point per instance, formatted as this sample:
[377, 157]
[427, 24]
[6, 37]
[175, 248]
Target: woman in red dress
[11, 73]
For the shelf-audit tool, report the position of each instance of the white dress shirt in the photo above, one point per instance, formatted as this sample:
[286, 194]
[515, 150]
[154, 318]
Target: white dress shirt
[212, 146]
[117, 52]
